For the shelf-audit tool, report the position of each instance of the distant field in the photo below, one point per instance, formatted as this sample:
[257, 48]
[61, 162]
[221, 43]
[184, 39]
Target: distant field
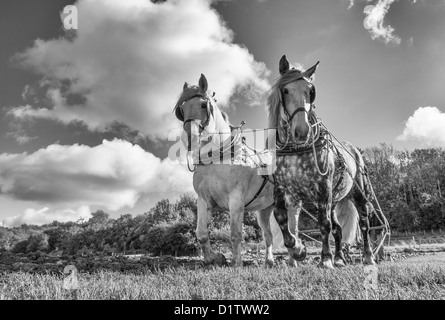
[416, 277]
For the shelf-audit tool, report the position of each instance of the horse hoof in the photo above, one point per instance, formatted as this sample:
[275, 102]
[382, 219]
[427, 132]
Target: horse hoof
[339, 263]
[268, 263]
[369, 260]
[292, 263]
[326, 264]
[300, 256]
[219, 260]
[236, 264]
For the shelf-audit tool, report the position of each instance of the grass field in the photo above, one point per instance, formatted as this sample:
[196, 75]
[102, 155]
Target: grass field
[418, 277]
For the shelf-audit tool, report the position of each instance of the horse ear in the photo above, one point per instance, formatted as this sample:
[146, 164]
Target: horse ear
[284, 65]
[309, 72]
[203, 84]
[186, 85]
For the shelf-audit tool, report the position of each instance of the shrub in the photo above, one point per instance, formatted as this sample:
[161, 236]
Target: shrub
[220, 237]
[431, 212]
[403, 216]
[154, 239]
[174, 239]
[179, 239]
[251, 234]
[37, 242]
[20, 247]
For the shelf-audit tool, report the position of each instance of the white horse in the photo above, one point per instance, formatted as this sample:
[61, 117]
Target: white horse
[229, 187]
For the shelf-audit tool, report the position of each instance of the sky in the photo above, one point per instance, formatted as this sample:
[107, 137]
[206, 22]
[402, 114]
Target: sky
[85, 113]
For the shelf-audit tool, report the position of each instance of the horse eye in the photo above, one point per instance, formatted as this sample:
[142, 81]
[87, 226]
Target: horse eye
[204, 105]
[285, 91]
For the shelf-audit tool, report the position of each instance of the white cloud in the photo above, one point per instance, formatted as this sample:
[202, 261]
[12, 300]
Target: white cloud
[351, 4]
[427, 124]
[113, 175]
[45, 215]
[375, 15]
[128, 60]
[21, 137]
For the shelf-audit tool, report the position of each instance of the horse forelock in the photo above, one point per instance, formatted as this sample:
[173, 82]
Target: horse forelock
[189, 93]
[195, 91]
[274, 98]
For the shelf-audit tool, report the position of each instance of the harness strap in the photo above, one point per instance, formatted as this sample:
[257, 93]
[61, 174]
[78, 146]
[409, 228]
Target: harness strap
[265, 179]
[341, 169]
[301, 109]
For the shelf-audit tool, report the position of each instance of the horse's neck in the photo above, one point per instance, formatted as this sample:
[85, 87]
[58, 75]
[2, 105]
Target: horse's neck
[220, 123]
[222, 127]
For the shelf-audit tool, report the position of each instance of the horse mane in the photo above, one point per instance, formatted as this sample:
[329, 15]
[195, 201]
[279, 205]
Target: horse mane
[226, 117]
[274, 98]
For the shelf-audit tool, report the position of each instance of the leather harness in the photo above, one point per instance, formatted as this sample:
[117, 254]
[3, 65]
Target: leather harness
[180, 115]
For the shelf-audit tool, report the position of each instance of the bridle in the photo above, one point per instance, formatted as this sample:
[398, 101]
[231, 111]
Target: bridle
[301, 109]
[313, 121]
[180, 113]
[202, 126]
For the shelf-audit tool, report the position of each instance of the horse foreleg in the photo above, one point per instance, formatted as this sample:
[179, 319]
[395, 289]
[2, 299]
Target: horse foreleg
[202, 233]
[339, 259]
[297, 251]
[264, 222]
[236, 207]
[324, 220]
[293, 214]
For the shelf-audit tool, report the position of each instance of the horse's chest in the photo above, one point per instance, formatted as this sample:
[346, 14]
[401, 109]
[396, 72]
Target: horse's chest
[299, 177]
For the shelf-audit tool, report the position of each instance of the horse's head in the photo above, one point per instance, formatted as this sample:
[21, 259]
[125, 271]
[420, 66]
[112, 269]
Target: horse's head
[201, 118]
[295, 91]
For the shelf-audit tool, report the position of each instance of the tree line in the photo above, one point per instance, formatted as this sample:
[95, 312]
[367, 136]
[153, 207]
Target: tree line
[167, 228]
[408, 185]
